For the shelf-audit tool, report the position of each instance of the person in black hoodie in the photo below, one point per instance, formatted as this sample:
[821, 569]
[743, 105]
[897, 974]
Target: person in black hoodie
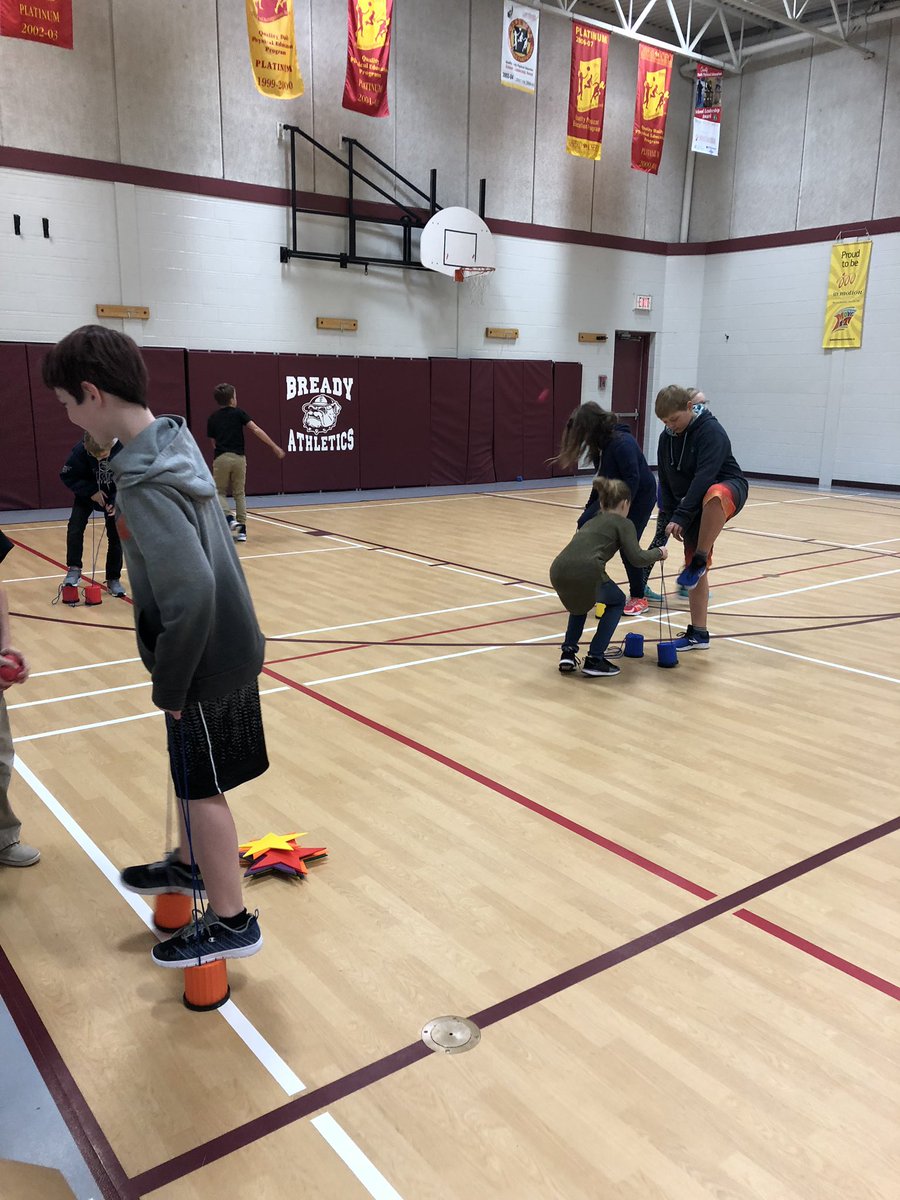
[87, 474]
[615, 455]
[701, 487]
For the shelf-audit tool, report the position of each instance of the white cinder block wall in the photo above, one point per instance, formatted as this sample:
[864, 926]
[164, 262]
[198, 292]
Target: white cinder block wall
[744, 325]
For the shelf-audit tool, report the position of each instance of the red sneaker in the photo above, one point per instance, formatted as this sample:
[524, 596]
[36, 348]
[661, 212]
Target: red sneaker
[635, 606]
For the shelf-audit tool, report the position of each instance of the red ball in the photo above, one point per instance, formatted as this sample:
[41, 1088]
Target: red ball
[10, 673]
[544, 396]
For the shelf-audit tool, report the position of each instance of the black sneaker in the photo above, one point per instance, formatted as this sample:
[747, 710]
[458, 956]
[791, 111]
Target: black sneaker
[568, 660]
[240, 532]
[692, 640]
[600, 668]
[162, 878]
[230, 518]
[207, 940]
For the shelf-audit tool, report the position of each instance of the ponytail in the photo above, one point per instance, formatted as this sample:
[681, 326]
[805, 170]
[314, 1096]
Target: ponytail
[588, 428]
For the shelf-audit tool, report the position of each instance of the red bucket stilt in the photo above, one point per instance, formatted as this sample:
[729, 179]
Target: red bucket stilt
[206, 987]
[173, 912]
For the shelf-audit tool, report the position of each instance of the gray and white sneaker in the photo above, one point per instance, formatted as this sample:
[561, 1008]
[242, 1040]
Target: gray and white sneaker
[207, 939]
[114, 587]
[73, 577]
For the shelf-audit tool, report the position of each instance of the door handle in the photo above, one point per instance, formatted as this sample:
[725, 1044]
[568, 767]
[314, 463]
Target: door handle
[634, 415]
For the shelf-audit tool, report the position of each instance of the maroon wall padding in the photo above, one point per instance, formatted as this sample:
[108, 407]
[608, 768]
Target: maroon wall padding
[54, 434]
[394, 422]
[255, 379]
[18, 479]
[322, 444]
[167, 393]
[566, 397]
[509, 461]
[450, 382]
[537, 418]
[480, 457]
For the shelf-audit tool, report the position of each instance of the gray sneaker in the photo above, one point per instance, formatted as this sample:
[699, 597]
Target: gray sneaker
[73, 577]
[114, 587]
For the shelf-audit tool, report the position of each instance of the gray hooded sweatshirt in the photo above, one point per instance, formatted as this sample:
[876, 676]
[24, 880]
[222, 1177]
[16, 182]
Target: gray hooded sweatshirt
[197, 633]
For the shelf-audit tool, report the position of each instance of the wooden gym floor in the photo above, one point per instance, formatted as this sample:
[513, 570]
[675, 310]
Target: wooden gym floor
[667, 899]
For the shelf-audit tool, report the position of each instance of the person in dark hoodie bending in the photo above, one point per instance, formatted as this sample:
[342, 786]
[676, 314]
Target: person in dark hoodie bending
[701, 487]
[615, 454]
[197, 632]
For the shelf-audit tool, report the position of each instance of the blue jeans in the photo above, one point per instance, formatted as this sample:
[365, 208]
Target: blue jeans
[614, 598]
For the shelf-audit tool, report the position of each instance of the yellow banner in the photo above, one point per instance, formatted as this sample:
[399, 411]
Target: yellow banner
[847, 281]
[273, 49]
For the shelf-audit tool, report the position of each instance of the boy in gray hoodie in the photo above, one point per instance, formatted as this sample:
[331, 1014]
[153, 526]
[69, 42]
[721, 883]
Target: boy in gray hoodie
[197, 633]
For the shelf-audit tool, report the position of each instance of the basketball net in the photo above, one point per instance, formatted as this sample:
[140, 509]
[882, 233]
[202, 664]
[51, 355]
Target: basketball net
[478, 279]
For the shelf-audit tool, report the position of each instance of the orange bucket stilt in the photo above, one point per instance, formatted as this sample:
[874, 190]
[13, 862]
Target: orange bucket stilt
[172, 912]
[206, 987]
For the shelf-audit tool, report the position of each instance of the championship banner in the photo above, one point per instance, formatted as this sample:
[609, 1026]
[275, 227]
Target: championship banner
[587, 91]
[518, 53]
[847, 281]
[651, 107]
[707, 110]
[49, 22]
[368, 56]
[273, 48]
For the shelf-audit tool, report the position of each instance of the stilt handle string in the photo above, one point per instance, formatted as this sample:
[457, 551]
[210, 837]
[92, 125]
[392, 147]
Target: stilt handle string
[177, 742]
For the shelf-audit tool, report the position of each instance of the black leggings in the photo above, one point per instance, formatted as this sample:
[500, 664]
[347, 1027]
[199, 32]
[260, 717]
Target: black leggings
[81, 514]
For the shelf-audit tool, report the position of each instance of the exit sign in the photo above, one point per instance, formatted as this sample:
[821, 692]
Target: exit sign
[643, 303]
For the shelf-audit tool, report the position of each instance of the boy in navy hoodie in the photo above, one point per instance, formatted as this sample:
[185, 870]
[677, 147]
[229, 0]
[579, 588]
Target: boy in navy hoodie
[701, 487]
[197, 632]
[86, 473]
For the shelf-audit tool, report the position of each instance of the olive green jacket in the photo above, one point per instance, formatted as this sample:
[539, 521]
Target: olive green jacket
[578, 571]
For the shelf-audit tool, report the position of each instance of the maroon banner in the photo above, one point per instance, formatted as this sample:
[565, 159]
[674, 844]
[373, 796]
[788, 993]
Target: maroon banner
[651, 107]
[49, 22]
[368, 55]
[587, 91]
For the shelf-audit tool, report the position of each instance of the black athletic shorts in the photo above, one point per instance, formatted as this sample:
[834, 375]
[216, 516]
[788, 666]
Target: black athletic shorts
[217, 744]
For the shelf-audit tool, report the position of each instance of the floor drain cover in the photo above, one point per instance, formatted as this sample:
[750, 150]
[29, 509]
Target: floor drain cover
[451, 1035]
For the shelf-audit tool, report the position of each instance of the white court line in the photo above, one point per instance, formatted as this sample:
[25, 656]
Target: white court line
[31, 578]
[252, 1038]
[822, 662]
[548, 637]
[790, 537]
[434, 612]
[157, 712]
[290, 553]
[474, 574]
[337, 506]
[115, 662]
[125, 687]
[362, 1167]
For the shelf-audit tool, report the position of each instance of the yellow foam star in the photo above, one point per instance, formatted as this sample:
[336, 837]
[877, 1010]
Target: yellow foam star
[272, 841]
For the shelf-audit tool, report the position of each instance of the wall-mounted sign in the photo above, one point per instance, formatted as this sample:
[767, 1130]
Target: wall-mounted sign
[643, 303]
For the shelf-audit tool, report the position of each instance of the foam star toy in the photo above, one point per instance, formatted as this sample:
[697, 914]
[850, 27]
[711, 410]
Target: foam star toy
[275, 854]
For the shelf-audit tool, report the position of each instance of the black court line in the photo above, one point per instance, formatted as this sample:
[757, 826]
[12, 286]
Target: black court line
[90, 1139]
[391, 1064]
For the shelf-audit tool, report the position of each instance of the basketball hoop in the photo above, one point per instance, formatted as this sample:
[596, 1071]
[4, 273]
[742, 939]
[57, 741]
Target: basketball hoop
[462, 273]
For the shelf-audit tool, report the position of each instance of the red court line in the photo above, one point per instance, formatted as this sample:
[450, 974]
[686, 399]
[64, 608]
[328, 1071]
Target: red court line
[412, 636]
[819, 952]
[55, 563]
[329, 1094]
[517, 797]
[82, 1124]
[582, 831]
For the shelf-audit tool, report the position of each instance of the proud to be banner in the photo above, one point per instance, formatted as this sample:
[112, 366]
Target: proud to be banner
[368, 57]
[273, 49]
[587, 91]
[49, 22]
[847, 281]
[518, 51]
[651, 107]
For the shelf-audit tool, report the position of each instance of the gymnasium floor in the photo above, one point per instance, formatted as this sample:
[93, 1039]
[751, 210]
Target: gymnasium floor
[668, 900]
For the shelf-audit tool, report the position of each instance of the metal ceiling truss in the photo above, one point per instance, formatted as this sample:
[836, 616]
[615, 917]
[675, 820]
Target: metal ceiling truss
[691, 22]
